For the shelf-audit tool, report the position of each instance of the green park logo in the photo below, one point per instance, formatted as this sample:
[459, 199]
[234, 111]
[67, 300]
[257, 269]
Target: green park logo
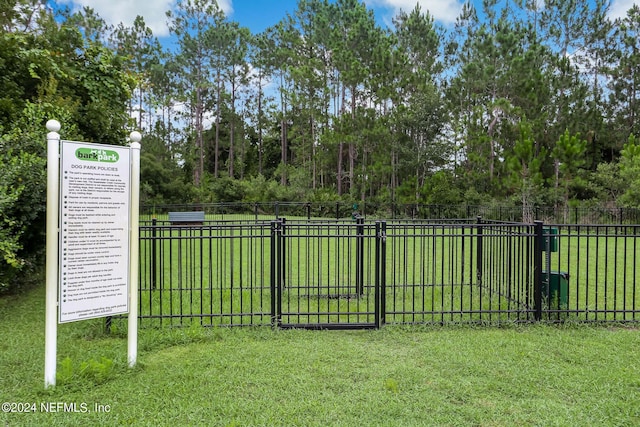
[97, 155]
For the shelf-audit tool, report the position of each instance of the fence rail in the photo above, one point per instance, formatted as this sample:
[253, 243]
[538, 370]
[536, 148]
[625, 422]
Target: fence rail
[393, 211]
[362, 274]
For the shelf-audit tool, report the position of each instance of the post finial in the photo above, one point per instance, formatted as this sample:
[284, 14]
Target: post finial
[53, 126]
[135, 136]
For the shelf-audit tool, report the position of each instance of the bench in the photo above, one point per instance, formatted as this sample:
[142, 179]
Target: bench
[186, 218]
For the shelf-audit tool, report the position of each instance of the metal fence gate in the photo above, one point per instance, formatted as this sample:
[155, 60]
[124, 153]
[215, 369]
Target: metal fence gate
[329, 275]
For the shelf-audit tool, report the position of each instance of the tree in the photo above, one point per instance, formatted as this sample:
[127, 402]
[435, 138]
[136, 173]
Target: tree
[630, 172]
[194, 23]
[421, 115]
[50, 72]
[566, 26]
[353, 36]
[484, 95]
[21, 207]
[568, 154]
[310, 75]
[624, 83]
[278, 44]
[525, 166]
[597, 60]
[262, 67]
[161, 178]
[141, 52]
[237, 75]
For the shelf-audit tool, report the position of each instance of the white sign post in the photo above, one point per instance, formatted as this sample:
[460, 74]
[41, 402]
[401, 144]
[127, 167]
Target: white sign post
[92, 220]
[132, 327]
[51, 306]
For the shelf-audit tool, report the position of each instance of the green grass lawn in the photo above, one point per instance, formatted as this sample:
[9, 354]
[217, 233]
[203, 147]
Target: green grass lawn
[398, 376]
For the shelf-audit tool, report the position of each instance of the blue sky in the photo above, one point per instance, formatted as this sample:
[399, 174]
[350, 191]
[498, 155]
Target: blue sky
[259, 14]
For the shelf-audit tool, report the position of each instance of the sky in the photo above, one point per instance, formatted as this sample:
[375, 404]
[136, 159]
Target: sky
[260, 14]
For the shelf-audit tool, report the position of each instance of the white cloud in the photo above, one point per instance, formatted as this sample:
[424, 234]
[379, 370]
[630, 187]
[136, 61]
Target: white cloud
[125, 11]
[619, 8]
[445, 11]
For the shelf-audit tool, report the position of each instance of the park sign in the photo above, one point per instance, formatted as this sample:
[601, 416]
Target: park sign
[92, 236]
[95, 189]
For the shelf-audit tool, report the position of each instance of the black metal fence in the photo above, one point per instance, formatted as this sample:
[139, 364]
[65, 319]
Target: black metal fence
[362, 274]
[393, 211]
[590, 273]
[440, 273]
[215, 274]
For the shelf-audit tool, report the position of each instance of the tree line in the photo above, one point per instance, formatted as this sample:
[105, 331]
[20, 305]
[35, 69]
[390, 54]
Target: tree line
[528, 103]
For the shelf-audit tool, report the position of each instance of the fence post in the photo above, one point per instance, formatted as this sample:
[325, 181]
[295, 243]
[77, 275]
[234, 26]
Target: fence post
[337, 210]
[360, 256]
[383, 274]
[274, 263]
[376, 277]
[538, 245]
[154, 259]
[380, 274]
[479, 249]
[620, 221]
[283, 258]
[308, 205]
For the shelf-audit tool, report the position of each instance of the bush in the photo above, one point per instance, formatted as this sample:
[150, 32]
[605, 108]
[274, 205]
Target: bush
[23, 188]
[22, 211]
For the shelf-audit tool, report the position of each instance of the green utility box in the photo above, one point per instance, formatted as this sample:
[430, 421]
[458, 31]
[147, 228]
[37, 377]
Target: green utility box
[555, 287]
[550, 239]
[354, 212]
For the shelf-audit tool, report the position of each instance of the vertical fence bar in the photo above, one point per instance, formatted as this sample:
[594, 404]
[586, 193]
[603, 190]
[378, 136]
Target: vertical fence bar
[479, 250]
[283, 254]
[635, 271]
[538, 245]
[376, 281]
[154, 254]
[360, 256]
[281, 262]
[273, 262]
[383, 273]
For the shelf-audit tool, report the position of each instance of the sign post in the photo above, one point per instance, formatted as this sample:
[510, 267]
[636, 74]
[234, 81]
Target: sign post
[92, 235]
[132, 328]
[51, 308]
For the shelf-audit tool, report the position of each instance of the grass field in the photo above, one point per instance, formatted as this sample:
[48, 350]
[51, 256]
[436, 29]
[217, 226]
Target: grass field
[224, 274]
[398, 376]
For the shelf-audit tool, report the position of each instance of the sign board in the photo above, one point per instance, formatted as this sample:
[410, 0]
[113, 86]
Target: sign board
[94, 247]
[92, 237]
